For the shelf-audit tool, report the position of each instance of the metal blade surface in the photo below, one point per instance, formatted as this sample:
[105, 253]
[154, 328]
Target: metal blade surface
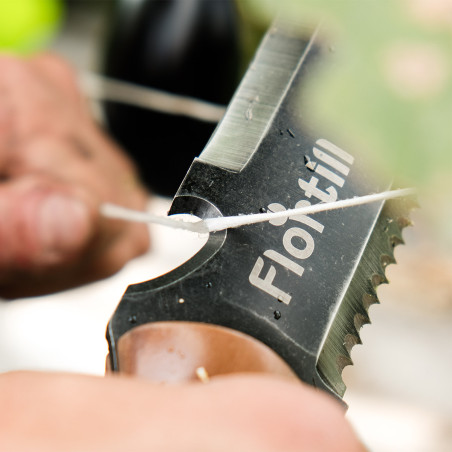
[300, 285]
[258, 98]
[353, 312]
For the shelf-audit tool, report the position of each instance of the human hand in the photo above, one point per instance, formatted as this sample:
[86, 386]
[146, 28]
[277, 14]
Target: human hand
[45, 412]
[56, 168]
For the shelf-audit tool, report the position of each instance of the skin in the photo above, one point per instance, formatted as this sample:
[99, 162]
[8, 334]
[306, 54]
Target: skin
[51, 413]
[56, 168]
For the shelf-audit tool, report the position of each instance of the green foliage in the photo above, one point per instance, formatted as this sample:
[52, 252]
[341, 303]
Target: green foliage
[388, 87]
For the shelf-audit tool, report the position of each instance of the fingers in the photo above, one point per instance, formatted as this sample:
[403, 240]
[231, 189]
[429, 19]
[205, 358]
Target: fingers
[242, 413]
[56, 168]
[60, 74]
[52, 238]
[5, 131]
[62, 159]
[104, 177]
[40, 96]
[280, 415]
[43, 223]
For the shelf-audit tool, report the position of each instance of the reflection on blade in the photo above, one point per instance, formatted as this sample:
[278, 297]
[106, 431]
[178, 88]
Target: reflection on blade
[257, 100]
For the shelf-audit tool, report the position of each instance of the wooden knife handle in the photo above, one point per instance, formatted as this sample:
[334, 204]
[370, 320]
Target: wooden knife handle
[189, 351]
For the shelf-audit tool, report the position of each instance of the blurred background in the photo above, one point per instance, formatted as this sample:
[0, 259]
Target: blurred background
[398, 387]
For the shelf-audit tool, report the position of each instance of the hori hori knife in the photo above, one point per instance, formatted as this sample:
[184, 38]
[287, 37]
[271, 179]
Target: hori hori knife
[300, 285]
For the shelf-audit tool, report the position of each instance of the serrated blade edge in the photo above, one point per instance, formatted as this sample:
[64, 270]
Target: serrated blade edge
[361, 293]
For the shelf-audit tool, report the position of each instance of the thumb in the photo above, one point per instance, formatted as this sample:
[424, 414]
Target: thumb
[42, 223]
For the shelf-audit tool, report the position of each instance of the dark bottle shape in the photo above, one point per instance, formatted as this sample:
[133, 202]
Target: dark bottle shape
[186, 47]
